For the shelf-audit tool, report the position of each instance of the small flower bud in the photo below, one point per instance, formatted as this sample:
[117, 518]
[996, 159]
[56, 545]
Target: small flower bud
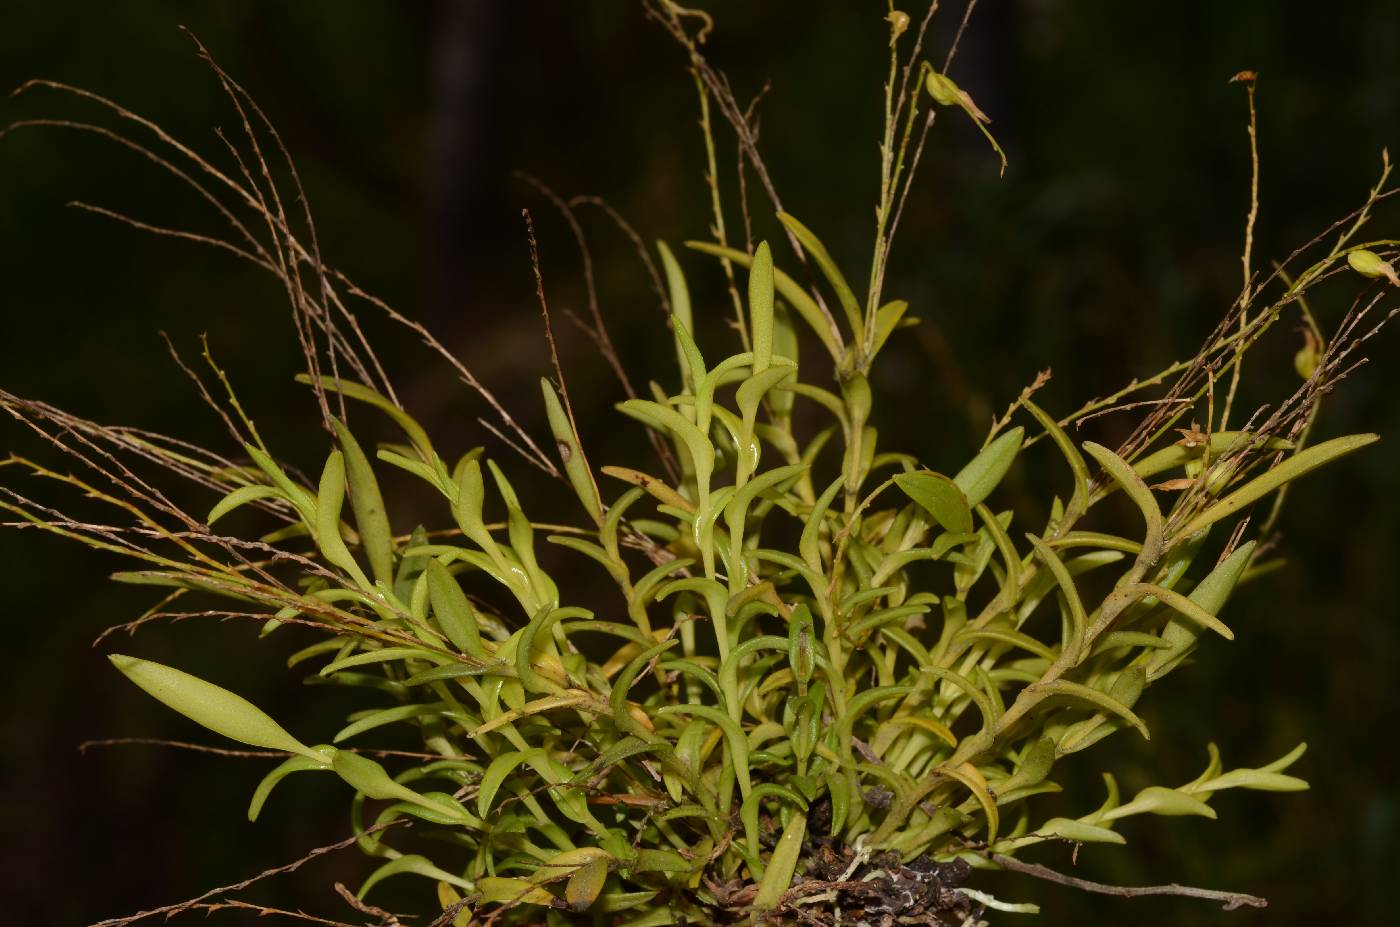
[801, 649]
[1308, 356]
[1370, 264]
[1220, 475]
[899, 22]
[942, 89]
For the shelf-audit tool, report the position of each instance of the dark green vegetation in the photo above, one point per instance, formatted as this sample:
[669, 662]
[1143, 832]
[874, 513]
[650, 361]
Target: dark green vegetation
[843, 466]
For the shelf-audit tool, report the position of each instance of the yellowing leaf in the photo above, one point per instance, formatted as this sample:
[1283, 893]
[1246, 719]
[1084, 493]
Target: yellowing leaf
[585, 884]
[500, 890]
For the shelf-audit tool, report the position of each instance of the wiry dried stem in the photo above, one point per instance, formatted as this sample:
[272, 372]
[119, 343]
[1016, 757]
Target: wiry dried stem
[1230, 901]
[171, 910]
[670, 15]
[596, 328]
[87, 745]
[638, 245]
[1251, 81]
[283, 254]
[549, 326]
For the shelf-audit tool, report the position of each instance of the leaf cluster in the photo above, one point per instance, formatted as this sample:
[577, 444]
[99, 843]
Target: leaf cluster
[816, 641]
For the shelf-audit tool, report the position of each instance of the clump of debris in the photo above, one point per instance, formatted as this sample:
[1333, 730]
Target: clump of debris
[842, 886]
[881, 890]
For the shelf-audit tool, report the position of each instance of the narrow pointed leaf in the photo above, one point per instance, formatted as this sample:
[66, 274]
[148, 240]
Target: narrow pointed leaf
[571, 452]
[1077, 692]
[240, 497]
[453, 610]
[1303, 462]
[1137, 490]
[1161, 801]
[365, 775]
[1079, 499]
[329, 500]
[791, 291]
[940, 496]
[1079, 832]
[414, 865]
[981, 476]
[210, 706]
[844, 295]
[284, 769]
[761, 307]
[366, 501]
[414, 431]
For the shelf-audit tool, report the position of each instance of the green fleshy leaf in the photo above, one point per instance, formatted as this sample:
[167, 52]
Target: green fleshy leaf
[981, 476]
[211, 706]
[940, 496]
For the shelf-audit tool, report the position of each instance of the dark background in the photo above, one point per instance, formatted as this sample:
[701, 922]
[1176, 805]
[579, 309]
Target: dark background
[1108, 250]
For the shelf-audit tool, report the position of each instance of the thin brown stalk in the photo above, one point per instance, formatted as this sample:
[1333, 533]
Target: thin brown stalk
[194, 378]
[165, 165]
[171, 910]
[281, 229]
[637, 244]
[1229, 900]
[170, 232]
[666, 13]
[957, 36]
[1251, 80]
[262, 910]
[600, 328]
[526, 445]
[549, 336]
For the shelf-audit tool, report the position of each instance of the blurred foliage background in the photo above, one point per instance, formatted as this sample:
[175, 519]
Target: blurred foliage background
[1109, 249]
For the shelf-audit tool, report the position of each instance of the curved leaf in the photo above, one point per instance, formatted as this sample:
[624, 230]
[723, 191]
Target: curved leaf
[1081, 693]
[844, 295]
[415, 865]
[452, 609]
[284, 769]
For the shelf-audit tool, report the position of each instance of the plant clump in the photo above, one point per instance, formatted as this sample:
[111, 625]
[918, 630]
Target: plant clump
[834, 681]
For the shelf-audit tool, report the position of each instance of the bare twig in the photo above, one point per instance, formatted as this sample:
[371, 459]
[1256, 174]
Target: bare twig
[386, 918]
[262, 910]
[1230, 900]
[957, 36]
[637, 244]
[171, 910]
[549, 330]
[669, 14]
[1251, 80]
[87, 745]
[604, 342]
[249, 754]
